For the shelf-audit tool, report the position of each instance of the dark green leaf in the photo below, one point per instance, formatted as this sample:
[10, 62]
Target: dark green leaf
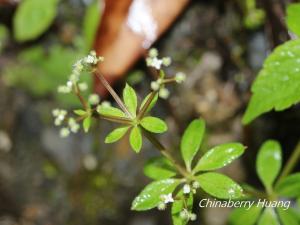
[289, 186]
[277, 85]
[116, 134]
[268, 217]
[219, 185]
[191, 141]
[135, 139]
[244, 216]
[150, 197]
[219, 156]
[33, 17]
[293, 18]
[86, 124]
[288, 217]
[268, 163]
[154, 124]
[183, 202]
[159, 168]
[130, 99]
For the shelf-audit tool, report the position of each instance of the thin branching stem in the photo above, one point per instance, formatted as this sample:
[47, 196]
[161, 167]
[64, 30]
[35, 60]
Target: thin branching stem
[146, 105]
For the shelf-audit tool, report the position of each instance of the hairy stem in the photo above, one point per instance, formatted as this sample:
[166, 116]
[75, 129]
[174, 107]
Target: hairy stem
[291, 163]
[113, 93]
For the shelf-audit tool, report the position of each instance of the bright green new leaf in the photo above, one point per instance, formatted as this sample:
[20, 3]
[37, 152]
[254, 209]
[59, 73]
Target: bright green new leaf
[130, 99]
[135, 139]
[159, 168]
[87, 124]
[116, 134]
[152, 103]
[219, 185]
[289, 186]
[191, 141]
[288, 217]
[268, 217]
[219, 156]
[110, 111]
[278, 83]
[80, 112]
[293, 18]
[154, 124]
[150, 197]
[179, 205]
[268, 163]
[244, 216]
[33, 17]
[90, 22]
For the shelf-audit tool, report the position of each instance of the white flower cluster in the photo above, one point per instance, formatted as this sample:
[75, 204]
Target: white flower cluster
[154, 61]
[165, 199]
[86, 62]
[72, 125]
[186, 215]
[187, 188]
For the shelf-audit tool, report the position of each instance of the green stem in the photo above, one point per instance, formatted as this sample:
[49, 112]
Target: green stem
[291, 163]
[81, 99]
[146, 105]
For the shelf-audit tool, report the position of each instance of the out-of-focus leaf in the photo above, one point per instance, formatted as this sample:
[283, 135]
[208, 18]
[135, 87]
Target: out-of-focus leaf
[219, 185]
[130, 99]
[91, 21]
[107, 110]
[150, 197]
[244, 216]
[293, 18]
[288, 217]
[87, 124]
[135, 139]
[219, 156]
[277, 84]
[289, 186]
[268, 163]
[191, 141]
[268, 218]
[33, 17]
[159, 168]
[116, 134]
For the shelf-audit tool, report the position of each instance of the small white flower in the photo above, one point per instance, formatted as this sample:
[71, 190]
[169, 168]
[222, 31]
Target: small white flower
[164, 93]
[156, 63]
[94, 99]
[166, 61]
[55, 112]
[73, 125]
[184, 214]
[196, 184]
[193, 216]
[161, 206]
[155, 86]
[83, 86]
[180, 77]
[186, 189]
[64, 132]
[90, 162]
[69, 84]
[89, 59]
[167, 198]
[153, 53]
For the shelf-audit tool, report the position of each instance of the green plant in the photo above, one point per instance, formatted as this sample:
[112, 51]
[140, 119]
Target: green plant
[277, 187]
[173, 183]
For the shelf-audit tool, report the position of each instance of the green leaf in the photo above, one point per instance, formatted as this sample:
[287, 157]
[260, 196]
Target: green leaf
[116, 134]
[244, 216]
[33, 17]
[159, 168]
[219, 156]
[110, 111]
[87, 124]
[268, 163]
[150, 197]
[277, 85]
[288, 217]
[219, 185]
[154, 124]
[152, 104]
[293, 18]
[90, 22]
[268, 217]
[130, 99]
[191, 141]
[179, 205]
[80, 112]
[135, 139]
[289, 186]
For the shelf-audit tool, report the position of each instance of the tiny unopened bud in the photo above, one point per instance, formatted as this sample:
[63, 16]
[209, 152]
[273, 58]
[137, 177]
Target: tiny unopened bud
[64, 132]
[196, 184]
[193, 216]
[155, 86]
[164, 93]
[166, 61]
[83, 86]
[94, 99]
[180, 77]
[184, 214]
[161, 206]
[153, 53]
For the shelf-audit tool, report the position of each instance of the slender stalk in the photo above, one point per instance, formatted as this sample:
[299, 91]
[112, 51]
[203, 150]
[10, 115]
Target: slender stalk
[291, 163]
[146, 105]
[116, 119]
[164, 152]
[113, 93]
[81, 99]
